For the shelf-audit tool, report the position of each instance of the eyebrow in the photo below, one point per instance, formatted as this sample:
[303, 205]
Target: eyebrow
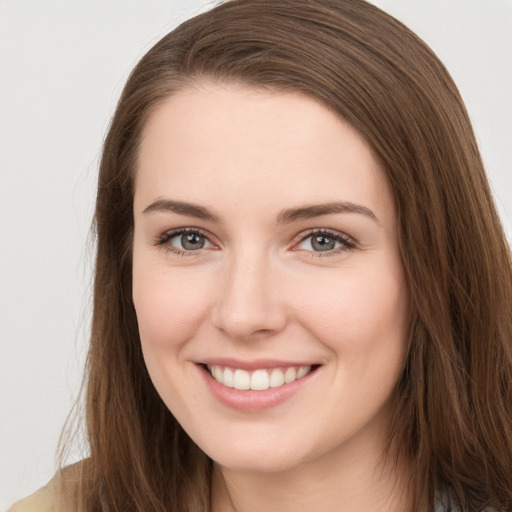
[182, 208]
[286, 216]
[316, 210]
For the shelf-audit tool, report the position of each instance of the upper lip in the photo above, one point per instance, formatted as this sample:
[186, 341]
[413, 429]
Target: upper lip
[254, 364]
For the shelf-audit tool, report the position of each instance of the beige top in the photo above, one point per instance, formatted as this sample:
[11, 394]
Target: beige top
[56, 496]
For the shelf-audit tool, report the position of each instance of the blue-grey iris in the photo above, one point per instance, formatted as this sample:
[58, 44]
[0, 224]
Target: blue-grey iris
[322, 243]
[192, 241]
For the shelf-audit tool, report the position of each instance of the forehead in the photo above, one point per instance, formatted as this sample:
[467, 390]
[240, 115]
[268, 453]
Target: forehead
[251, 143]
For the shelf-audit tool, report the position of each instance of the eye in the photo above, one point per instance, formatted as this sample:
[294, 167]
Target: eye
[184, 241]
[326, 241]
[188, 241]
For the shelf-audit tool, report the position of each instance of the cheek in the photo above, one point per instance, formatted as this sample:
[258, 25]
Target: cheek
[363, 322]
[358, 312]
[170, 304]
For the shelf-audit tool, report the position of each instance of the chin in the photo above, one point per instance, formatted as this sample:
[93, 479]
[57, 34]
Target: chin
[256, 463]
[259, 456]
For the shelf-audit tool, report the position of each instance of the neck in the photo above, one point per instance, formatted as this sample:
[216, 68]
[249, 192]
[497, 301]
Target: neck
[356, 479]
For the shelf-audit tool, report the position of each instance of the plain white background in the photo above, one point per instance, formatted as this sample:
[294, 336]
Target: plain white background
[62, 67]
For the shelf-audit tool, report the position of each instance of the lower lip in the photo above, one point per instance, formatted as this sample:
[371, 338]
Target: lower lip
[250, 400]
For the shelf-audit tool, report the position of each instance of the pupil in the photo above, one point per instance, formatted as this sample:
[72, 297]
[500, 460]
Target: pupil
[192, 241]
[322, 243]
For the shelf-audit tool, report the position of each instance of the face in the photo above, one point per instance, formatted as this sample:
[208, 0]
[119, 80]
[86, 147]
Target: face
[267, 279]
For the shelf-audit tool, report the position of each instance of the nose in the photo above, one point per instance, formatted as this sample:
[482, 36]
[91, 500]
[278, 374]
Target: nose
[249, 304]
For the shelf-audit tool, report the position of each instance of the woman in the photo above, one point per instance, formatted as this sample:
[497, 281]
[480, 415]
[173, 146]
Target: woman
[303, 290]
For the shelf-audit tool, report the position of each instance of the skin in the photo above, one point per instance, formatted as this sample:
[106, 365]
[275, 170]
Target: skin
[258, 289]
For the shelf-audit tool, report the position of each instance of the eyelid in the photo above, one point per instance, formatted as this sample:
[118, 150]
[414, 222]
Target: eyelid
[348, 242]
[162, 240]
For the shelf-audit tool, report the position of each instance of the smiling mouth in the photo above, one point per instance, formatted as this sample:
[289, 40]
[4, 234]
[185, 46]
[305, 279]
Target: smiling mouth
[259, 379]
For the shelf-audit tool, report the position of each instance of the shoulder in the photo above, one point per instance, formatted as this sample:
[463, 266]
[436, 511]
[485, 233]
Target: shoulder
[40, 501]
[58, 495]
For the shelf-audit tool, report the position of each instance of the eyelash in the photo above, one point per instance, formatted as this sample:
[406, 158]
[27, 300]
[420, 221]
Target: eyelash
[348, 243]
[164, 239]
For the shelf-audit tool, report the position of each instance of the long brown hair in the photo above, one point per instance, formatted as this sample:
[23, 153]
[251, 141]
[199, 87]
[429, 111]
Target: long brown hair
[453, 414]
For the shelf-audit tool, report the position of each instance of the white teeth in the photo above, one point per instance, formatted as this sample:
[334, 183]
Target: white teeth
[241, 380]
[276, 378]
[258, 380]
[217, 373]
[290, 375]
[303, 370]
[227, 378]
